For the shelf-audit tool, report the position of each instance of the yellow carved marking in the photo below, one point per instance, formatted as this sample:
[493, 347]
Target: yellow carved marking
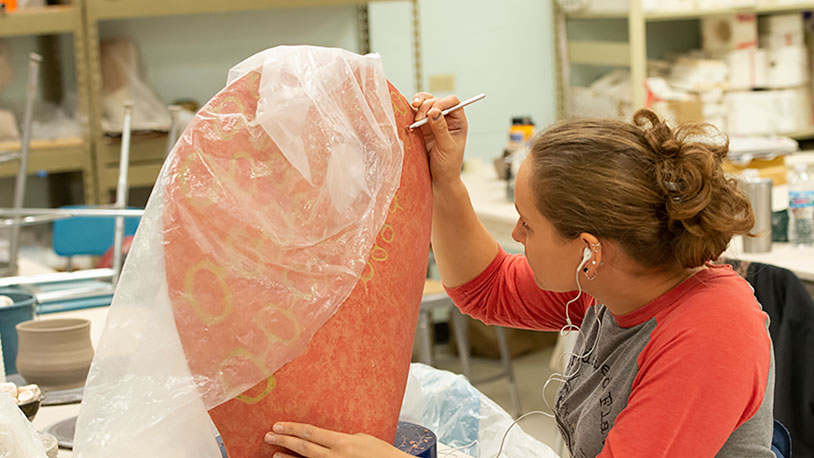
[244, 353]
[379, 254]
[366, 277]
[274, 338]
[394, 204]
[397, 105]
[234, 240]
[254, 85]
[190, 292]
[218, 109]
[271, 383]
[388, 234]
[185, 176]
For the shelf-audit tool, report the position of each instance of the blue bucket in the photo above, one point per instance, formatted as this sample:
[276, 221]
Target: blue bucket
[22, 310]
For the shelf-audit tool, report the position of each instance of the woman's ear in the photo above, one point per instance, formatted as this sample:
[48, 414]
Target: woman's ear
[592, 243]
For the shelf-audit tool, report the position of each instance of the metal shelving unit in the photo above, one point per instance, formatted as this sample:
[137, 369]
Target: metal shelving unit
[633, 52]
[147, 153]
[62, 154]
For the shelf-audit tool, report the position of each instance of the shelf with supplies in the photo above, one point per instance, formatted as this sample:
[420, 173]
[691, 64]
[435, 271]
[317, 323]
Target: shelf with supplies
[72, 154]
[742, 68]
[41, 20]
[147, 152]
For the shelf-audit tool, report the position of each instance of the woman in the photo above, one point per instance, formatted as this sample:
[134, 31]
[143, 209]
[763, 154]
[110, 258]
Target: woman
[619, 222]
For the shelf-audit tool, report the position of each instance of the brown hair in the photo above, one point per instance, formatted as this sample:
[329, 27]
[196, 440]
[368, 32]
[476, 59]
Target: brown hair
[658, 192]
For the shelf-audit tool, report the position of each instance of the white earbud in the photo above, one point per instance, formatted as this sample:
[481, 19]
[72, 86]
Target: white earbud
[586, 255]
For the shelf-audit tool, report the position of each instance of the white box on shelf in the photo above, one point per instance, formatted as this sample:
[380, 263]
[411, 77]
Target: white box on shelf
[788, 67]
[769, 112]
[779, 40]
[748, 68]
[729, 32]
[778, 30]
[751, 113]
[791, 23]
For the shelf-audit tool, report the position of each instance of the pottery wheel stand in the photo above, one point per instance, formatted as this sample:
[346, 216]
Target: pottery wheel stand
[62, 286]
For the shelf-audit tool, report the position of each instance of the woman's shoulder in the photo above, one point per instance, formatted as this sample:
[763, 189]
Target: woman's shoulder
[719, 304]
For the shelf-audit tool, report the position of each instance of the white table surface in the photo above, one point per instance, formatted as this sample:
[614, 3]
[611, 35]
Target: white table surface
[497, 213]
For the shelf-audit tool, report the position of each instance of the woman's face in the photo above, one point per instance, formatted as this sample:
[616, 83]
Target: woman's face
[553, 259]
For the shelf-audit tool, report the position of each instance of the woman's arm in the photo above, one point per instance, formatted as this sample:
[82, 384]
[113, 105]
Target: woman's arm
[463, 248]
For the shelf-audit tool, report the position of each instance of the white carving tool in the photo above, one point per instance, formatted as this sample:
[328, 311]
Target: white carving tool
[449, 110]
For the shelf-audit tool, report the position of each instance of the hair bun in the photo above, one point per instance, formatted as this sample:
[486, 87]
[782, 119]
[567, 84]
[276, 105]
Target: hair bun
[687, 163]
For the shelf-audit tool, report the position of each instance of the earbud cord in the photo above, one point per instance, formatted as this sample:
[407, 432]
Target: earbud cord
[569, 327]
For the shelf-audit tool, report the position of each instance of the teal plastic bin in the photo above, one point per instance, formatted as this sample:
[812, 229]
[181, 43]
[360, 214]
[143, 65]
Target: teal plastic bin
[22, 310]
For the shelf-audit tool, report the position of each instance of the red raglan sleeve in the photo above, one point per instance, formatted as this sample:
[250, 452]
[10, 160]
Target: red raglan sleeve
[702, 375]
[506, 294]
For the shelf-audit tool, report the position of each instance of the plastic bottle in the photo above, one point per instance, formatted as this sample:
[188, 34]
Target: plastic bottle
[801, 207]
[520, 132]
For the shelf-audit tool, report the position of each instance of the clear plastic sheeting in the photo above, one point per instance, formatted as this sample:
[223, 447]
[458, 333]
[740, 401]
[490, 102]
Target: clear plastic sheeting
[18, 438]
[463, 418]
[258, 229]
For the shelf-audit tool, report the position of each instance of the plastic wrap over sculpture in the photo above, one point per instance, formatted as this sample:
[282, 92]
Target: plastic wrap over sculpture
[463, 418]
[18, 437]
[254, 235]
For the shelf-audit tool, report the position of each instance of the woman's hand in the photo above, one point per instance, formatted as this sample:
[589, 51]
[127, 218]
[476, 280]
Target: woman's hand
[312, 442]
[445, 136]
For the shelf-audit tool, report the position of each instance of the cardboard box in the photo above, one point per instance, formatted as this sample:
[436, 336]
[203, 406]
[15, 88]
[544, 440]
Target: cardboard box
[774, 168]
[729, 32]
[748, 68]
[686, 110]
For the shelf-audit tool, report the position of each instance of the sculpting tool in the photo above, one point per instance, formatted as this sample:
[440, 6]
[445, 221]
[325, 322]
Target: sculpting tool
[449, 110]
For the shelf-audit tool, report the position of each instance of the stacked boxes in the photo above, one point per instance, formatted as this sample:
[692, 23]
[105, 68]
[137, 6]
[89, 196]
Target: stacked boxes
[769, 76]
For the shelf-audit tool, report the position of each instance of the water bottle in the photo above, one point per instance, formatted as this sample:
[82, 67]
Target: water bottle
[801, 207]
